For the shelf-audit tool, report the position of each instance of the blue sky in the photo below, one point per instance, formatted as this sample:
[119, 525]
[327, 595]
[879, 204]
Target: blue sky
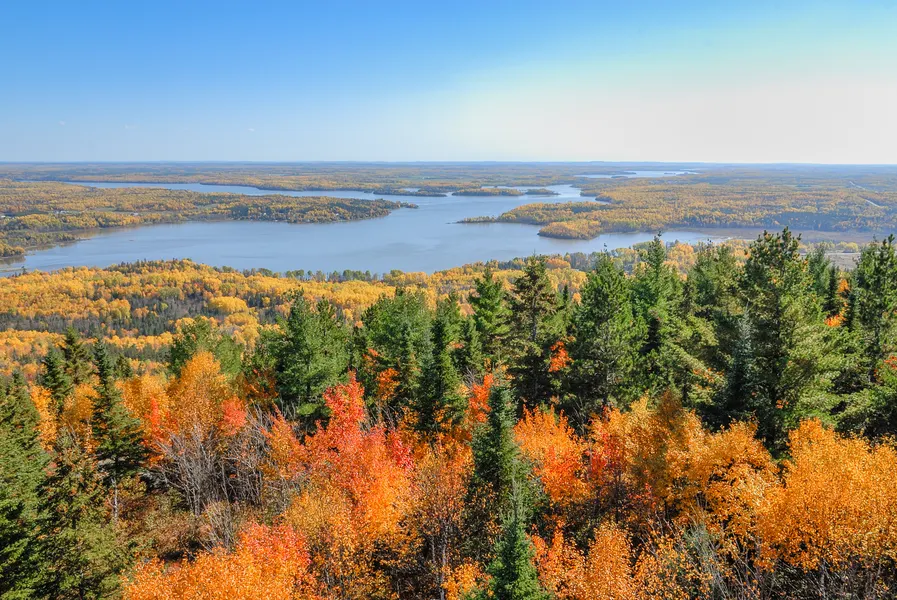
[784, 81]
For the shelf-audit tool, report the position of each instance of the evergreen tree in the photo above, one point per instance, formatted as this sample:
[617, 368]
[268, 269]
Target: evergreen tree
[203, 335]
[656, 295]
[605, 333]
[490, 314]
[117, 434]
[714, 284]
[872, 306]
[310, 354]
[514, 576]
[441, 403]
[78, 550]
[22, 461]
[495, 454]
[533, 328]
[788, 340]
[469, 357]
[55, 378]
[76, 357]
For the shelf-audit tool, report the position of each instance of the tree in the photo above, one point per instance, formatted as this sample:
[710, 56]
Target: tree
[55, 379]
[872, 304]
[604, 347]
[22, 461]
[310, 354]
[490, 314]
[786, 335]
[117, 434]
[514, 576]
[533, 329]
[76, 357]
[441, 404]
[199, 335]
[79, 552]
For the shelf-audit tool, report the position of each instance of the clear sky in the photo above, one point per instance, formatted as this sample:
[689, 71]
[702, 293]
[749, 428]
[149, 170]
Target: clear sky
[717, 81]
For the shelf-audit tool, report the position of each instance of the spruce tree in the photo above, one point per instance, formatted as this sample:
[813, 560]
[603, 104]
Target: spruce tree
[76, 357]
[469, 357]
[117, 434]
[310, 354]
[514, 576]
[604, 345]
[78, 549]
[789, 343]
[873, 301]
[495, 453]
[22, 461]
[533, 329]
[441, 403]
[203, 335]
[55, 378]
[490, 314]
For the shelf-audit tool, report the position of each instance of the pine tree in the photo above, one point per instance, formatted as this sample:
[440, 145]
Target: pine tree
[533, 328]
[76, 357]
[605, 333]
[116, 433]
[490, 314]
[78, 550]
[55, 378]
[469, 357]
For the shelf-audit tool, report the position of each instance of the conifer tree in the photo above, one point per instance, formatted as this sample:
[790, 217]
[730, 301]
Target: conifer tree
[605, 333]
[203, 335]
[76, 357]
[789, 343]
[441, 403]
[514, 576]
[310, 355]
[78, 551]
[533, 329]
[55, 378]
[873, 301]
[117, 434]
[490, 313]
[22, 461]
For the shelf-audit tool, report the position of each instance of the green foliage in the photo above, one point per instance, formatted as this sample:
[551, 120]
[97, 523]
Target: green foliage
[22, 461]
[605, 333]
[79, 553]
[441, 403]
[490, 313]
[534, 326]
[76, 357]
[789, 344]
[514, 575]
[309, 354]
[202, 335]
[116, 433]
[55, 378]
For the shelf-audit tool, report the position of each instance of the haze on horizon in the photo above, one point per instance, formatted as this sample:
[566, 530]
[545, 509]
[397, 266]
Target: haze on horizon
[463, 81]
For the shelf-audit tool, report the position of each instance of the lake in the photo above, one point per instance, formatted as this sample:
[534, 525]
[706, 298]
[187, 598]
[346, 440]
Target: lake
[427, 239]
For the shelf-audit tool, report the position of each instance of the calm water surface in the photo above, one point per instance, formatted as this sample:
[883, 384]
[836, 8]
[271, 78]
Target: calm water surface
[423, 239]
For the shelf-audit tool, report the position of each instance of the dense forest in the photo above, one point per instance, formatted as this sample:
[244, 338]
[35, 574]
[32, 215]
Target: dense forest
[664, 422]
[35, 214]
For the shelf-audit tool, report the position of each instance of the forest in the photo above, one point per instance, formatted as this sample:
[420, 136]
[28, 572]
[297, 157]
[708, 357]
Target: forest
[36, 213]
[669, 421]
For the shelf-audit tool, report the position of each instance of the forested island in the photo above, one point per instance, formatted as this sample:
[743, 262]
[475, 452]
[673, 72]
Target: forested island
[35, 214]
[667, 421]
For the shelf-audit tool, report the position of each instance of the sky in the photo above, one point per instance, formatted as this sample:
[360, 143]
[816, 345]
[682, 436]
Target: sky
[708, 81]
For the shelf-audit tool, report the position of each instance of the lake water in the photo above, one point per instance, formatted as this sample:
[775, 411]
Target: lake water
[428, 238]
[638, 174]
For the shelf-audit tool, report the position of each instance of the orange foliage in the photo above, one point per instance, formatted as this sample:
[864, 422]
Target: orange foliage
[268, 562]
[478, 404]
[47, 426]
[837, 502]
[560, 358]
[604, 572]
[556, 453]
[203, 399]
